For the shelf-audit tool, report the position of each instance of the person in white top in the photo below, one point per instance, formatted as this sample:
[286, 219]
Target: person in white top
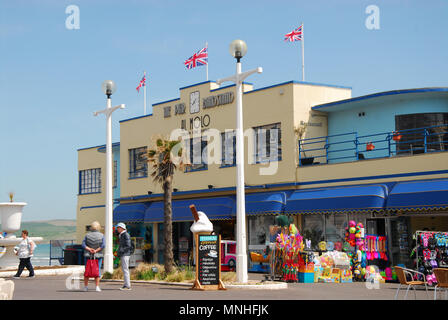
[25, 251]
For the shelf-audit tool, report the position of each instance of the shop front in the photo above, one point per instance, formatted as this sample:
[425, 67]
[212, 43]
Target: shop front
[375, 227]
[132, 214]
[261, 209]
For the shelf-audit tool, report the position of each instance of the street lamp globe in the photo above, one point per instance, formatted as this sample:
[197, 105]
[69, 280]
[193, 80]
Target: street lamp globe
[109, 87]
[238, 49]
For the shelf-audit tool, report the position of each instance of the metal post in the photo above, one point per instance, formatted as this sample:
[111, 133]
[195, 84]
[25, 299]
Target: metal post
[241, 242]
[241, 256]
[108, 256]
[425, 132]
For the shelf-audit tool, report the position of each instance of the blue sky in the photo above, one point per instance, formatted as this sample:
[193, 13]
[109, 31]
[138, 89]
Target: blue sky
[50, 76]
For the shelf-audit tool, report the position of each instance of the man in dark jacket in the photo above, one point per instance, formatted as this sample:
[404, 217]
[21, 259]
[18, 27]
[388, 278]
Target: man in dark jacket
[124, 253]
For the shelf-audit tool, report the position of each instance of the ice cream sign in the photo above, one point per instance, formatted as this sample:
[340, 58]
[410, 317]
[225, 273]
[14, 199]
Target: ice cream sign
[201, 223]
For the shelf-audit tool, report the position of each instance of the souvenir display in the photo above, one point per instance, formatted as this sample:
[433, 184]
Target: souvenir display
[289, 245]
[431, 252]
[354, 237]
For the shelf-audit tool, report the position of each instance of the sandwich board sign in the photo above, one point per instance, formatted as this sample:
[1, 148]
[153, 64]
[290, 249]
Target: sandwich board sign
[208, 259]
[208, 264]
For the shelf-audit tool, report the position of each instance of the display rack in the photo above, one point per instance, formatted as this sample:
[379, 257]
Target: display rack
[438, 252]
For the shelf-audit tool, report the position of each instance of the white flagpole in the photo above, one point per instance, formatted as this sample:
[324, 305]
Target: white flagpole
[303, 53]
[144, 94]
[206, 69]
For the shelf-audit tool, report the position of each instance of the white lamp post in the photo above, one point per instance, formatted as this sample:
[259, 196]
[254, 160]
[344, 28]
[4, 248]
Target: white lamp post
[238, 49]
[108, 88]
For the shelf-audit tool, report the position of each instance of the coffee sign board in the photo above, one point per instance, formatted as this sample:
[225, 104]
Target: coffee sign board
[208, 262]
[208, 259]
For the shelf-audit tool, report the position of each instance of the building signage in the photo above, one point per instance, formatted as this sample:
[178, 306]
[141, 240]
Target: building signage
[218, 100]
[178, 109]
[195, 123]
[311, 124]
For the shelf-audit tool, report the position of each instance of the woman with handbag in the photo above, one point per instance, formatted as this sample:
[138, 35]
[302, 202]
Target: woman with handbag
[93, 245]
[25, 251]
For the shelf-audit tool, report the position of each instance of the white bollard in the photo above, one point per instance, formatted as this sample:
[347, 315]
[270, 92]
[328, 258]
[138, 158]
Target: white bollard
[6, 289]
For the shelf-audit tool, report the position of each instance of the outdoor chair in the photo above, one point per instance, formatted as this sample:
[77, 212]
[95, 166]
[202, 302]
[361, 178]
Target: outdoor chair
[442, 281]
[403, 275]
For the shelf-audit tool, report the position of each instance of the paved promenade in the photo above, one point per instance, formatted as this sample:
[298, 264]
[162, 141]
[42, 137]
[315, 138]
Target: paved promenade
[55, 288]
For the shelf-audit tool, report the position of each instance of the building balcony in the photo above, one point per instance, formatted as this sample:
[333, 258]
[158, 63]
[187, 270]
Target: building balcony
[349, 147]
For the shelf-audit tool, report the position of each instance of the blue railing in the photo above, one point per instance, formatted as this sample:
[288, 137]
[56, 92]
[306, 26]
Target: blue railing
[351, 147]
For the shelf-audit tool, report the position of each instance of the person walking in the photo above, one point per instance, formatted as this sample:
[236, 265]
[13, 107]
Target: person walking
[124, 253]
[25, 251]
[93, 245]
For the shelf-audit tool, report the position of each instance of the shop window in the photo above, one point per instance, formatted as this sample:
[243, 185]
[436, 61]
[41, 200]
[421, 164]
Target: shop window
[226, 228]
[196, 148]
[259, 231]
[401, 241]
[138, 167]
[228, 151]
[414, 141]
[268, 144]
[90, 181]
[335, 225]
[313, 228]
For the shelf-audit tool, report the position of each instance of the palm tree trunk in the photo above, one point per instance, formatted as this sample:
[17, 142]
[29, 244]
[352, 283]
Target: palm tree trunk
[168, 225]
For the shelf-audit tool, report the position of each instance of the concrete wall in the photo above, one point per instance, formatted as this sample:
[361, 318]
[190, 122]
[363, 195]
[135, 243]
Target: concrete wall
[288, 103]
[88, 208]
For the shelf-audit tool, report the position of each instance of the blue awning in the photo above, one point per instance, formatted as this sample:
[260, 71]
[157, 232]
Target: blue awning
[271, 203]
[418, 196]
[369, 198]
[218, 208]
[130, 212]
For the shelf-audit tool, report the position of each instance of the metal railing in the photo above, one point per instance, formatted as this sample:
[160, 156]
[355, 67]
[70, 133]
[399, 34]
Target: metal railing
[57, 249]
[351, 147]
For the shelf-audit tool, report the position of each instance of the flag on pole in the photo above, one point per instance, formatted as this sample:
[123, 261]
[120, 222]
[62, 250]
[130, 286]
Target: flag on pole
[142, 83]
[200, 58]
[295, 35]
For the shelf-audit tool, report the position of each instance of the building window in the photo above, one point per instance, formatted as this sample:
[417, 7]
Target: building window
[228, 149]
[115, 174]
[268, 143]
[90, 181]
[197, 151]
[434, 137]
[138, 167]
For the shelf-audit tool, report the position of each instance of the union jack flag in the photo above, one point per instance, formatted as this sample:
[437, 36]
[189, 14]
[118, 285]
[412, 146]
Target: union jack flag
[294, 35]
[200, 58]
[142, 83]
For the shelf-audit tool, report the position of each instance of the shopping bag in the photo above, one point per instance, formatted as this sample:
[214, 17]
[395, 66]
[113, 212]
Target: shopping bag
[92, 269]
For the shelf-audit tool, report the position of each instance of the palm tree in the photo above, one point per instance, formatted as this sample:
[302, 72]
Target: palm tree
[164, 159]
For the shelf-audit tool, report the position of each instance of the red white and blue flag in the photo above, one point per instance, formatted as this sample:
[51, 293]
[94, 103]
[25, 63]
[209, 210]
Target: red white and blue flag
[295, 35]
[142, 83]
[200, 58]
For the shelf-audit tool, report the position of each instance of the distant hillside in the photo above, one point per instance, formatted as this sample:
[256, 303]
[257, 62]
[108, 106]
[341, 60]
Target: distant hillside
[50, 229]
